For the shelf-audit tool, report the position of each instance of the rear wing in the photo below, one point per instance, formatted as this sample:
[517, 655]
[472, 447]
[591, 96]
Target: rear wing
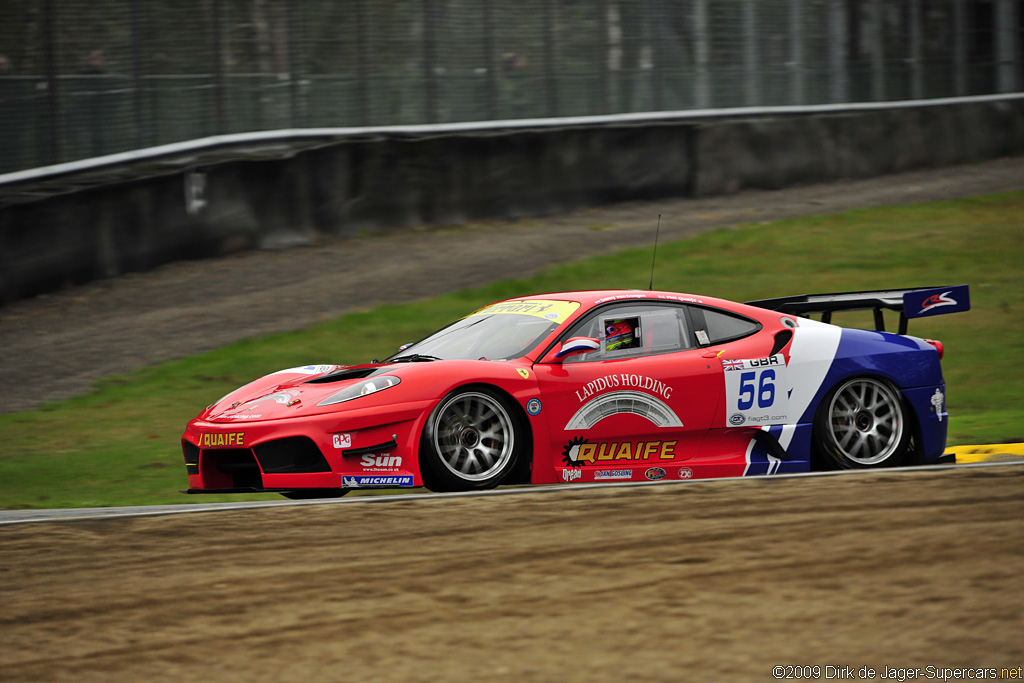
[910, 303]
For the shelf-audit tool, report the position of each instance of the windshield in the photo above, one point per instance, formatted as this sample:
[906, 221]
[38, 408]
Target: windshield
[502, 331]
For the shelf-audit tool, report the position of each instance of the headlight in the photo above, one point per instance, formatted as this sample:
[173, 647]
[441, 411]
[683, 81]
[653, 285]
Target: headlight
[367, 386]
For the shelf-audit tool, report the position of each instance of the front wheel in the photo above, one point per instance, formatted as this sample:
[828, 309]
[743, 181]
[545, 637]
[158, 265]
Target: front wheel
[472, 441]
[860, 424]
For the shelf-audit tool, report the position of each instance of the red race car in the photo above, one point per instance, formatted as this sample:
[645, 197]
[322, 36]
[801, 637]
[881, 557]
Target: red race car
[593, 386]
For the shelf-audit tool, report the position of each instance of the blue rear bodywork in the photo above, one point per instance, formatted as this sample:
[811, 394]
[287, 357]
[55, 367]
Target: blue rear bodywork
[911, 365]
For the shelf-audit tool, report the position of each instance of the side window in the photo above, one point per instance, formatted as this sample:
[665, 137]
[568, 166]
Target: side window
[714, 327]
[620, 333]
[633, 330]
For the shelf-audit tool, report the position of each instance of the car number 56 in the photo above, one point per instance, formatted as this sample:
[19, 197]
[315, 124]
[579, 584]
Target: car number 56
[765, 391]
[757, 391]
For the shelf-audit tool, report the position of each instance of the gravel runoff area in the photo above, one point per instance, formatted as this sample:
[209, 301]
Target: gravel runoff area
[56, 345]
[692, 581]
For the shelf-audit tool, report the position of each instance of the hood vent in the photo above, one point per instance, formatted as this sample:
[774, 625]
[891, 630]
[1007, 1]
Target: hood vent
[343, 374]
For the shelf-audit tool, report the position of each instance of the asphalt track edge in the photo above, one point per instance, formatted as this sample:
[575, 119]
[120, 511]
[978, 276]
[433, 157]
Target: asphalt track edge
[10, 517]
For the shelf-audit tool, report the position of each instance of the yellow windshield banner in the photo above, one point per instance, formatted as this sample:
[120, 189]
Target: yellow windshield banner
[555, 311]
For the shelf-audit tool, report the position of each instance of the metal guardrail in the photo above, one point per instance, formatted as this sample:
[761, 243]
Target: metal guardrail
[81, 79]
[281, 143]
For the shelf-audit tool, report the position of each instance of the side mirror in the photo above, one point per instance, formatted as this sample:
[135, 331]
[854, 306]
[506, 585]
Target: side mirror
[576, 346]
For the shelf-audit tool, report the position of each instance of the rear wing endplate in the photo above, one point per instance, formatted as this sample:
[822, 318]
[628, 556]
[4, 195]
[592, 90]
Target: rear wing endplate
[910, 303]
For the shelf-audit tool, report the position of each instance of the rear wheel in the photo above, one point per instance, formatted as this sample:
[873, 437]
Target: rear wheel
[472, 440]
[860, 424]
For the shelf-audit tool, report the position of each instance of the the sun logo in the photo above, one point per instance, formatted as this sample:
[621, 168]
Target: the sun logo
[571, 452]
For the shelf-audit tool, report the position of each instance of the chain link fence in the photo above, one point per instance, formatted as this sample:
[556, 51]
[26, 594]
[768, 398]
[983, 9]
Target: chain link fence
[85, 78]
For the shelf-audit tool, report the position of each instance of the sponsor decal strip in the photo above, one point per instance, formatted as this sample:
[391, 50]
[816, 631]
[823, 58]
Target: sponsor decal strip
[625, 381]
[579, 452]
[621, 402]
[370, 481]
[225, 439]
[600, 475]
[571, 475]
[382, 462]
[938, 398]
[655, 473]
[549, 310]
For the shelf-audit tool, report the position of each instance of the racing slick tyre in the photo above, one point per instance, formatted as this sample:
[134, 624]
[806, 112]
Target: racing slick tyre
[472, 440]
[862, 423]
[310, 494]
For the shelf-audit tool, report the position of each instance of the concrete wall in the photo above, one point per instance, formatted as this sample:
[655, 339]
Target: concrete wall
[361, 185]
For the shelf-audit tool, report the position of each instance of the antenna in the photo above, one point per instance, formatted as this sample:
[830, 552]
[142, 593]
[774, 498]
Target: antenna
[656, 232]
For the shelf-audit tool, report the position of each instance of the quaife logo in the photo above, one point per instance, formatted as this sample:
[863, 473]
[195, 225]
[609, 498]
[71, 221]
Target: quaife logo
[579, 452]
[222, 439]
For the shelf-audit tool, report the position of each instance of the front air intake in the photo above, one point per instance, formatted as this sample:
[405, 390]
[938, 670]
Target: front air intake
[237, 463]
[293, 455]
[191, 452]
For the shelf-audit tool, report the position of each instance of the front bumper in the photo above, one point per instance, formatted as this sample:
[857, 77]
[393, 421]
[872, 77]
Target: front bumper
[355, 449]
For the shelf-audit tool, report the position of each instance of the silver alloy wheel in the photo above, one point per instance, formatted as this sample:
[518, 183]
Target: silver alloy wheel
[474, 436]
[866, 421]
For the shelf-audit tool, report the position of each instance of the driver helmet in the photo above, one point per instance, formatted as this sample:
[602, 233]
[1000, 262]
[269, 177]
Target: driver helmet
[618, 335]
